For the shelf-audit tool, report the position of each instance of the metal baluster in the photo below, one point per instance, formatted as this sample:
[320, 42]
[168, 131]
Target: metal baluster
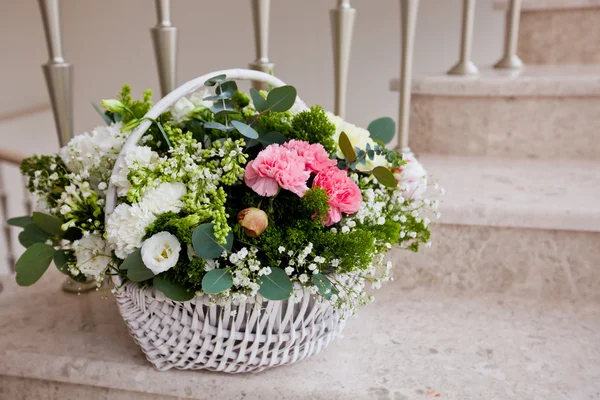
[164, 40]
[26, 198]
[58, 73]
[260, 18]
[342, 26]
[408, 14]
[10, 257]
[510, 60]
[465, 66]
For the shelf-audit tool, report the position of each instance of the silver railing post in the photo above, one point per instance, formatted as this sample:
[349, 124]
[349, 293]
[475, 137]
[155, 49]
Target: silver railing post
[342, 26]
[408, 14]
[10, 257]
[164, 40]
[510, 60]
[260, 18]
[58, 73]
[465, 66]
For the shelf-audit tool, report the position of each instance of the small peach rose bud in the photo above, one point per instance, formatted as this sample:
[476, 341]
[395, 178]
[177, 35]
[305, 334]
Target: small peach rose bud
[253, 220]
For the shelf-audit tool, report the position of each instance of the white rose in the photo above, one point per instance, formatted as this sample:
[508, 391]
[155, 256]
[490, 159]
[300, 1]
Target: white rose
[182, 110]
[161, 252]
[411, 177]
[91, 256]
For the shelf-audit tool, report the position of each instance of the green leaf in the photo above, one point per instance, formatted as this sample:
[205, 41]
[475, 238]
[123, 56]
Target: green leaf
[245, 130]
[347, 148]
[136, 270]
[206, 244]
[32, 234]
[323, 284]
[164, 134]
[223, 106]
[48, 223]
[385, 177]
[20, 221]
[33, 263]
[260, 104]
[219, 126]
[217, 281]
[173, 291]
[215, 79]
[281, 99]
[276, 286]
[383, 129]
[271, 138]
[72, 234]
[229, 87]
[105, 117]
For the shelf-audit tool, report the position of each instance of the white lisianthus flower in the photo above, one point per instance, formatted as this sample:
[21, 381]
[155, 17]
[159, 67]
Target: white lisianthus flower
[182, 110]
[411, 177]
[197, 99]
[161, 252]
[359, 137]
[139, 156]
[91, 256]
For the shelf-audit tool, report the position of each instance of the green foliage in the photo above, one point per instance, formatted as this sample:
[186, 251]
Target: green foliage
[136, 109]
[33, 263]
[136, 270]
[171, 289]
[384, 176]
[41, 185]
[314, 126]
[240, 99]
[382, 129]
[20, 221]
[347, 148]
[171, 222]
[48, 223]
[32, 234]
[275, 122]
[207, 245]
[217, 281]
[315, 202]
[186, 272]
[276, 286]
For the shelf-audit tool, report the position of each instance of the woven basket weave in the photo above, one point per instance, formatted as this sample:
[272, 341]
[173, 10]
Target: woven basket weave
[248, 337]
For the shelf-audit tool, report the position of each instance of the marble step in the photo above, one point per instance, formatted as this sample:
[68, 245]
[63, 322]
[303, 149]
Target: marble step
[558, 31]
[407, 345]
[544, 112]
[517, 228]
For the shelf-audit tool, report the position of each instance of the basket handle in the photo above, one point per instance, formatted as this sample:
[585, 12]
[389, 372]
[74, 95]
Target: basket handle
[166, 102]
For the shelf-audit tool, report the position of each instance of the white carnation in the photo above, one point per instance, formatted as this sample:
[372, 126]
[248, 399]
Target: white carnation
[95, 151]
[127, 224]
[139, 156]
[91, 255]
[161, 252]
[412, 178]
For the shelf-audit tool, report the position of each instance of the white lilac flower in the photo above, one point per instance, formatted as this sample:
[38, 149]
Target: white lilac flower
[91, 256]
[137, 157]
[160, 252]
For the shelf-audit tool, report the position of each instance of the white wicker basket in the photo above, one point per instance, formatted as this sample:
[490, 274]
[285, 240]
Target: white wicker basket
[248, 337]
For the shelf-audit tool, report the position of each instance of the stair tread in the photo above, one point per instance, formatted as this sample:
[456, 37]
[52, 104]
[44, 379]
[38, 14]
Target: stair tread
[542, 80]
[405, 345]
[523, 193]
[533, 5]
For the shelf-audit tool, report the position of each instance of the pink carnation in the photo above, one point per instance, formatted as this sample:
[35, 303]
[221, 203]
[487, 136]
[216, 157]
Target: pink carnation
[315, 156]
[344, 195]
[276, 167]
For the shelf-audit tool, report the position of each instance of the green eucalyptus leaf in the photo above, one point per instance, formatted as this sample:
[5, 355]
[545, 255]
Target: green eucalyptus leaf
[48, 223]
[105, 117]
[323, 284]
[61, 258]
[276, 286]
[382, 129]
[33, 263]
[281, 99]
[229, 87]
[20, 221]
[347, 148]
[272, 138]
[218, 125]
[215, 79]
[217, 281]
[260, 103]
[206, 245]
[172, 290]
[136, 270]
[32, 234]
[385, 177]
[245, 130]
[223, 106]
[222, 96]
[164, 134]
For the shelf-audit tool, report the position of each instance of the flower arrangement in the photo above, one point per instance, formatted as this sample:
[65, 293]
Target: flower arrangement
[228, 195]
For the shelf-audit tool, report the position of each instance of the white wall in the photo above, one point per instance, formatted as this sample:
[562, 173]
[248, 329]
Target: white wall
[109, 44]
